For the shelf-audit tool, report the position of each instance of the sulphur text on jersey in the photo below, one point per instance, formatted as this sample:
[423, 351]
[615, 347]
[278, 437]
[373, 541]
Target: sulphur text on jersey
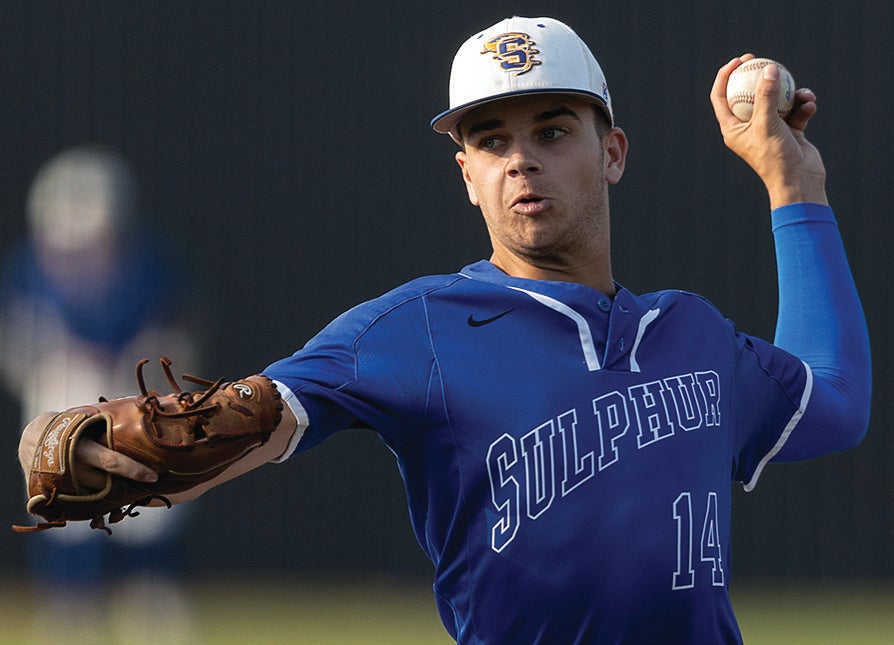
[553, 459]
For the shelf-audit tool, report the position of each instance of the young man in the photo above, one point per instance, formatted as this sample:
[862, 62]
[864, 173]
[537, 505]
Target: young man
[568, 446]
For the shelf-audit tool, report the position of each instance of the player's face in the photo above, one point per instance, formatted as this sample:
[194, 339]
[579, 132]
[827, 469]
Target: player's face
[539, 168]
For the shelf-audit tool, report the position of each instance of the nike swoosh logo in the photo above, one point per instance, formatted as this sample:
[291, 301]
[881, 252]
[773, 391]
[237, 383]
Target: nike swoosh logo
[486, 321]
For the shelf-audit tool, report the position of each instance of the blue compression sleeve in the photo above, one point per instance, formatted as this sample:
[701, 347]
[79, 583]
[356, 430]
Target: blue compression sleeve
[821, 322]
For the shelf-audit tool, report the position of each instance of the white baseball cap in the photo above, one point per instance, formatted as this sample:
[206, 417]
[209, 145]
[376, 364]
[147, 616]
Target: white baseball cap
[522, 56]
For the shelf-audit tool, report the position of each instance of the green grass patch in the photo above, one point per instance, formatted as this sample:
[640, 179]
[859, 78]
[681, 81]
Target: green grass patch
[400, 613]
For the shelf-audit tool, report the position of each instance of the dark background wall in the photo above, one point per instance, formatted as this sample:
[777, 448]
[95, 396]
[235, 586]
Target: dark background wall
[287, 150]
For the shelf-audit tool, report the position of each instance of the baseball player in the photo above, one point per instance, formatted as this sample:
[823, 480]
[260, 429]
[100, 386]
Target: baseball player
[568, 446]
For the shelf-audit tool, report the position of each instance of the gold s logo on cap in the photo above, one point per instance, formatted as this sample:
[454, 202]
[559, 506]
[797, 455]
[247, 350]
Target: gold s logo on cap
[514, 50]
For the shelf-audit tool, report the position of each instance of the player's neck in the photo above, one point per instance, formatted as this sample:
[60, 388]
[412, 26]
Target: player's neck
[597, 275]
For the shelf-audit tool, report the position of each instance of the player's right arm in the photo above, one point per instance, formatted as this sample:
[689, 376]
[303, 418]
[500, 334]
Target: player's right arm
[94, 459]
[820, 317]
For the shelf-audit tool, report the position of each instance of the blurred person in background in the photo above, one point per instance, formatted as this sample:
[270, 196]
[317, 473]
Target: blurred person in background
[85, 295]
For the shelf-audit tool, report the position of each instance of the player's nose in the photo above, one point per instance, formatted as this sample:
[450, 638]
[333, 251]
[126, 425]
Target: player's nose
[523, 161]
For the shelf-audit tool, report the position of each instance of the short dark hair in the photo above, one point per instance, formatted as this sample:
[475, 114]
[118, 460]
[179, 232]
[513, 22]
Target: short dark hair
[603, 125]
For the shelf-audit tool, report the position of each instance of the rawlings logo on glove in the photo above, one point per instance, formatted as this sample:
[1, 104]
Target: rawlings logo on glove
[188, 438]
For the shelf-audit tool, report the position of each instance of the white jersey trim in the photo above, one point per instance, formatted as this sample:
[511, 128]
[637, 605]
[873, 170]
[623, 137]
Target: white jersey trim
[583, 330]
[793, 422]
[644, 322]
[300, 413]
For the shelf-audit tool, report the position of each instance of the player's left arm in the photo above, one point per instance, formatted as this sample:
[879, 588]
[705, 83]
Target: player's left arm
[95, 460]
[820, 317]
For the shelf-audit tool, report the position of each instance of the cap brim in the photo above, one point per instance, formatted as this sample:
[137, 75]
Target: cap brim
[446, 121]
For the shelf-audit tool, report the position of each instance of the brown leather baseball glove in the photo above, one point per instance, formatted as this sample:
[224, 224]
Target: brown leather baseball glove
[187, 437]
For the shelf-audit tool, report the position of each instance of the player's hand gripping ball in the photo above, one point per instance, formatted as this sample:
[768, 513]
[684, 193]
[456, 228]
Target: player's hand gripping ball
[743, 80]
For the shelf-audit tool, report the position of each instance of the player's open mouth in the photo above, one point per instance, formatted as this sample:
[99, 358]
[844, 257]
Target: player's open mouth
[529, 204]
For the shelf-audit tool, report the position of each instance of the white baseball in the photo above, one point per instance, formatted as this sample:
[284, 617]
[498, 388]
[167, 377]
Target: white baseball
[740, 88]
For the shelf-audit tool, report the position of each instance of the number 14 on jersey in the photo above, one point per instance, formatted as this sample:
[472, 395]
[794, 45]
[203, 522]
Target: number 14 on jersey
[709, 547]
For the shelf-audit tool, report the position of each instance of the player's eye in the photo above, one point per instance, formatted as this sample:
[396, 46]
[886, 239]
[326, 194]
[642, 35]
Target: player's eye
[552, 133]
[489, 142]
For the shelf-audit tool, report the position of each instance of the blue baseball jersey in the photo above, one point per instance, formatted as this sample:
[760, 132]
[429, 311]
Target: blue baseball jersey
[567, 457]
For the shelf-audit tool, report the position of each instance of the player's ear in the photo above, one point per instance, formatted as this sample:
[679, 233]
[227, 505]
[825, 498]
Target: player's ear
[614, 145]
[470, 186]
